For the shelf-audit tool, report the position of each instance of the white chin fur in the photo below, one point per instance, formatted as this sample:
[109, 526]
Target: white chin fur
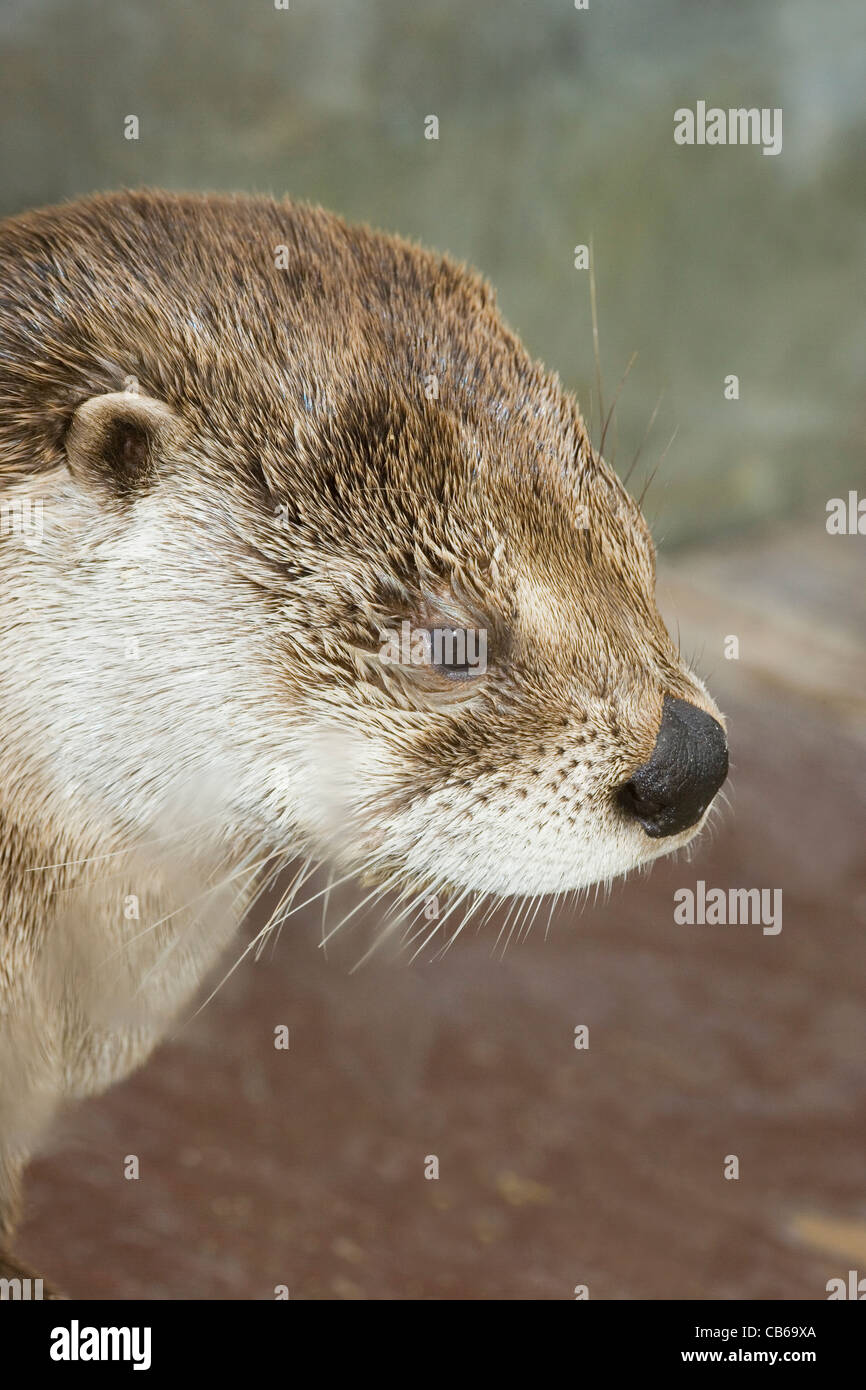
[524, 866]
[507, 846]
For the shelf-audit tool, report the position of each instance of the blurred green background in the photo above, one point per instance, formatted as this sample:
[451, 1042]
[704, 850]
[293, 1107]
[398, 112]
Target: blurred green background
[556, 127]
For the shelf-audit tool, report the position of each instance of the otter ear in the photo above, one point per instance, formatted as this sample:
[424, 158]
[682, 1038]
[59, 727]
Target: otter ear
[116, 441]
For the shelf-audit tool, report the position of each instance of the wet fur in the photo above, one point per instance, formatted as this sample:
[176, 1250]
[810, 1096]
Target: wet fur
[300, 494]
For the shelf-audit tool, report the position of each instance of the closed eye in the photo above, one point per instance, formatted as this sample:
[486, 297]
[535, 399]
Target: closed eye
[459, 653]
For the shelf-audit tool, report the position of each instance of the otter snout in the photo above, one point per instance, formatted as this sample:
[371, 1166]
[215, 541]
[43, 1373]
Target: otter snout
[687, 766]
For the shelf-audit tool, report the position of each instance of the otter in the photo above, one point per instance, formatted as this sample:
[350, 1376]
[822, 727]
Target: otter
[258, 441]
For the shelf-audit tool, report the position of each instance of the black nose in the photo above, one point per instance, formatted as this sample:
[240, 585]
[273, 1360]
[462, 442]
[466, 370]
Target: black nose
[688, 765]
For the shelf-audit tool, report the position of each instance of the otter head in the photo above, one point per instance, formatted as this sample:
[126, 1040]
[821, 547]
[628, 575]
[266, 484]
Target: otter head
[339, 570]
[489, 697]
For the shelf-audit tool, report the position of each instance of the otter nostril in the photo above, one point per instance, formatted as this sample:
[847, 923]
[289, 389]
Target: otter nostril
[630, 800]
[685, 770]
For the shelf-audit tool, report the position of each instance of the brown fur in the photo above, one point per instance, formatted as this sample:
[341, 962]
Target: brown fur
[303, 393]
